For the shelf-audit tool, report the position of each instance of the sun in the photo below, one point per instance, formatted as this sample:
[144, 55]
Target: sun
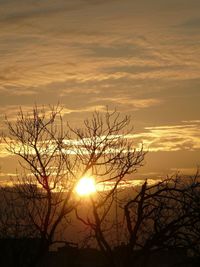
[85, 186]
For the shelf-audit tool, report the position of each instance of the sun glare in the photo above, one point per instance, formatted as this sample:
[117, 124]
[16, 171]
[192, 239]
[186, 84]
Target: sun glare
[86, 186]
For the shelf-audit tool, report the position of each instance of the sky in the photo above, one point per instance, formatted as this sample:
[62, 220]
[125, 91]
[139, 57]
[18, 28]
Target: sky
[140, 57]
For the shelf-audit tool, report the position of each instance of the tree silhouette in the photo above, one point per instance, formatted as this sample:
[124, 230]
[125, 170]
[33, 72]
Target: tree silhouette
[164, 216]
[44, 187]
[53, 157]
[112, 158]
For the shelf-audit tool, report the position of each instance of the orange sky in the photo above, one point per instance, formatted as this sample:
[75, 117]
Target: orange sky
[141, 57]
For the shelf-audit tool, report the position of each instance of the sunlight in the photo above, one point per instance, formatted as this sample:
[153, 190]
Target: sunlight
[86, 186]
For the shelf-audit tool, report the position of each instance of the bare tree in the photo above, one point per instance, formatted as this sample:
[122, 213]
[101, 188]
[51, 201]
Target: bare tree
[44, 187]
[53, 158]
[163, 216]
[109, 155]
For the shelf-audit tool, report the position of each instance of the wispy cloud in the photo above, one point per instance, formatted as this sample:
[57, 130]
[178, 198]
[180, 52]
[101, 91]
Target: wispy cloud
[129, 103]
[141, 57]
[191, 24]
[100, 108]
[3, 152]
[47, 47]
[171, 137]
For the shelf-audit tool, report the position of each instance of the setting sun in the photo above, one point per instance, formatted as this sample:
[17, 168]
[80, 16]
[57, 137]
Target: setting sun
[86, 186]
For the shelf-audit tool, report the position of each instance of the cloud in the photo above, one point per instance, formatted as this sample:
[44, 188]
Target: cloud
[191, 24]
[184, 171]
[171, 137]
[40, 62]
[145, 103]
[100, 108]
[11, 111]
[133, 55]
[128, 102]
[3, 151]
[99, 46]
